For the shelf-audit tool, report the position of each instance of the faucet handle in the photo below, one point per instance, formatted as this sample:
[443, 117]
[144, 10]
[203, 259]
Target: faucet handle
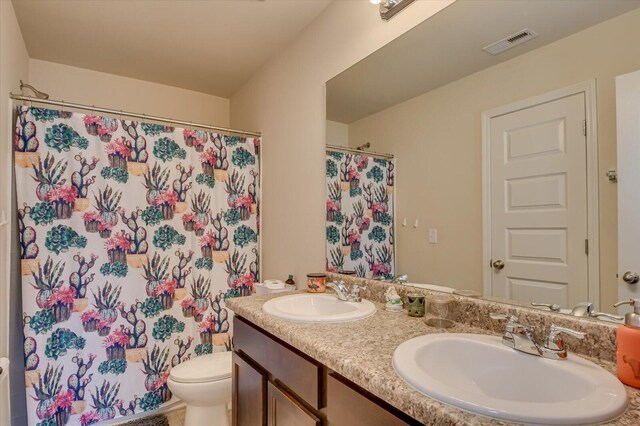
[355, 289]
[337, 284]
[513, 325]
[554, 347]
[596, 314]
[556, 330]
[354, 294]
[553, 307]
[555, 342]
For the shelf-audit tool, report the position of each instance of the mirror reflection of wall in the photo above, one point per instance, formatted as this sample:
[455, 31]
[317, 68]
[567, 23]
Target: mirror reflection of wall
[422, 99]
[337, 133]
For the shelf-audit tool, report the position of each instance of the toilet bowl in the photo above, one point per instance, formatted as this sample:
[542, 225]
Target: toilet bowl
[204, 384]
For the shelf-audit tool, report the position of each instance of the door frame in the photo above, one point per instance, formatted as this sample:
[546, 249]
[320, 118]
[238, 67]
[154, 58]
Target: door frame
[593, 225]
[627, 130]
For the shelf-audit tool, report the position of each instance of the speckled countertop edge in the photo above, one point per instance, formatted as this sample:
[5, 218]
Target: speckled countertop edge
[362, 351]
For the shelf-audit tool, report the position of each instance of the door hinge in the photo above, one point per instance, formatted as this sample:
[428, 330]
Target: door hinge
[584, 127]
[586, 247]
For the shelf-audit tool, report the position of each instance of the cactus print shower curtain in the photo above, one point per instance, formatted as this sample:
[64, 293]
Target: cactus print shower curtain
[132, 236]
[359, 214]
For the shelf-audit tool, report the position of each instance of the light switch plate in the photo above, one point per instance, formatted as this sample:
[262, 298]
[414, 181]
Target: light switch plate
[433, 236]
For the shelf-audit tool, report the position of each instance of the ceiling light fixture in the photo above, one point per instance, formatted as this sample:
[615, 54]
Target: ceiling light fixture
[390, 8]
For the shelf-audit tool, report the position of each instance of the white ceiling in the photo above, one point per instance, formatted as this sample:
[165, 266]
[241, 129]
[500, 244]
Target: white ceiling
[211, 46]
[448, 46]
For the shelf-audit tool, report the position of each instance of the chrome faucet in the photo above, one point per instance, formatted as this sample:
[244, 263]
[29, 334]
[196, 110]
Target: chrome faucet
[520, 337]
[517, 336]
[344, 293]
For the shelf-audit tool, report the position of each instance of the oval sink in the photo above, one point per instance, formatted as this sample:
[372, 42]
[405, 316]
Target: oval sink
[317, 308]
[477, 373]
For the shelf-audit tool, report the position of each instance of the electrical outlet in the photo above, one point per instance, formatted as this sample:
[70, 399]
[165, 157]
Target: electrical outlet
[433, 236]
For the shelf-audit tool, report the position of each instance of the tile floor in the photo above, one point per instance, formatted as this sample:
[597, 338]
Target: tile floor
[176, 417]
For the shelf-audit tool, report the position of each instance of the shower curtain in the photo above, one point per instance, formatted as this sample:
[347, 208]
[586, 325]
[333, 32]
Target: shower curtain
[359, 214]
[132, 236]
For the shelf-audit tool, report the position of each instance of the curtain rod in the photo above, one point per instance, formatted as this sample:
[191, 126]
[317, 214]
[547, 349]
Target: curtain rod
[357, 151]
[128, 114]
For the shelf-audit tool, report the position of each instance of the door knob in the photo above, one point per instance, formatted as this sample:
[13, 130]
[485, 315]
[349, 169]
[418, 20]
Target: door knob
[631, 277]
[498, 264]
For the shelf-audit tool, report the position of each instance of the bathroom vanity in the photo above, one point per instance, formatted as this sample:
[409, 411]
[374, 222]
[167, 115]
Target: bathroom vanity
[275, 383]
[294, 373]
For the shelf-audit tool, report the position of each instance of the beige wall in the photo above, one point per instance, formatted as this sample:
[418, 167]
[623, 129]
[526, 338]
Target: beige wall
[113, 91]
[437, 140]
[14, 66]
[286, 102]
[337, 133]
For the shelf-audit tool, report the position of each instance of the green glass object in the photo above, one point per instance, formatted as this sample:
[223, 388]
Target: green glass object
[415, 305]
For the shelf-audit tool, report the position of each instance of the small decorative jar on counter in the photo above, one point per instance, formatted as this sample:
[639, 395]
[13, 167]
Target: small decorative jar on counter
[415, 305]
[316, 283]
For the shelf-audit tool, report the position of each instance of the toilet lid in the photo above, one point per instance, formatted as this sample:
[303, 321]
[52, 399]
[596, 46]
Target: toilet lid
[205, 368]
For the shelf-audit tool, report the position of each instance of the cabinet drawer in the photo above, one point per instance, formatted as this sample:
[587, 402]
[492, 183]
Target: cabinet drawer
[285, 410]
[300, 374]
[347, 406]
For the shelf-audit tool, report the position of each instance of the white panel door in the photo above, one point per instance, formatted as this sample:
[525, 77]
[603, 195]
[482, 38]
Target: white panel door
[628, 123]
[538, 179]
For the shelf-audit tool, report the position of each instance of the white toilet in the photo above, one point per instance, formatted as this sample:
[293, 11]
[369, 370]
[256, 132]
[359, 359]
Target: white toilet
[204, 384]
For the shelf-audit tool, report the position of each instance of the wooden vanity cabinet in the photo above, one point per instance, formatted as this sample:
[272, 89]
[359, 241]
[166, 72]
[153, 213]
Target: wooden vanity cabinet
[274, 384]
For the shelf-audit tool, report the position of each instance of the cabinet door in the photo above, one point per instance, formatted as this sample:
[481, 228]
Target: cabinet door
[347, 406]
[249, 391]
[285, 410]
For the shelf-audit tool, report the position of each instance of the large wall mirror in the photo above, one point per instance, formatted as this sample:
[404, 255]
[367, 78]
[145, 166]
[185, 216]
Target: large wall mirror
[472, 153]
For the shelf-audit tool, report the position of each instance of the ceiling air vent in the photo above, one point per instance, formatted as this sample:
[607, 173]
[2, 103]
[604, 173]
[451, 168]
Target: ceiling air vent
[510, 41]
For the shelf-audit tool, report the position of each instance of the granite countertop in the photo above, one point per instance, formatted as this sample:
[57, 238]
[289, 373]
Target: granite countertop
[362, 351]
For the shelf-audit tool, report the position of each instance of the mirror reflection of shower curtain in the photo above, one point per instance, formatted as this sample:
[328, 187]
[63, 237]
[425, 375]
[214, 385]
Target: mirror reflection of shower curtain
[360, 214]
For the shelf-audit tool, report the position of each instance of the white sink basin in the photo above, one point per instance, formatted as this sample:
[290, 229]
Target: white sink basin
[479, 374]
[317, 308]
